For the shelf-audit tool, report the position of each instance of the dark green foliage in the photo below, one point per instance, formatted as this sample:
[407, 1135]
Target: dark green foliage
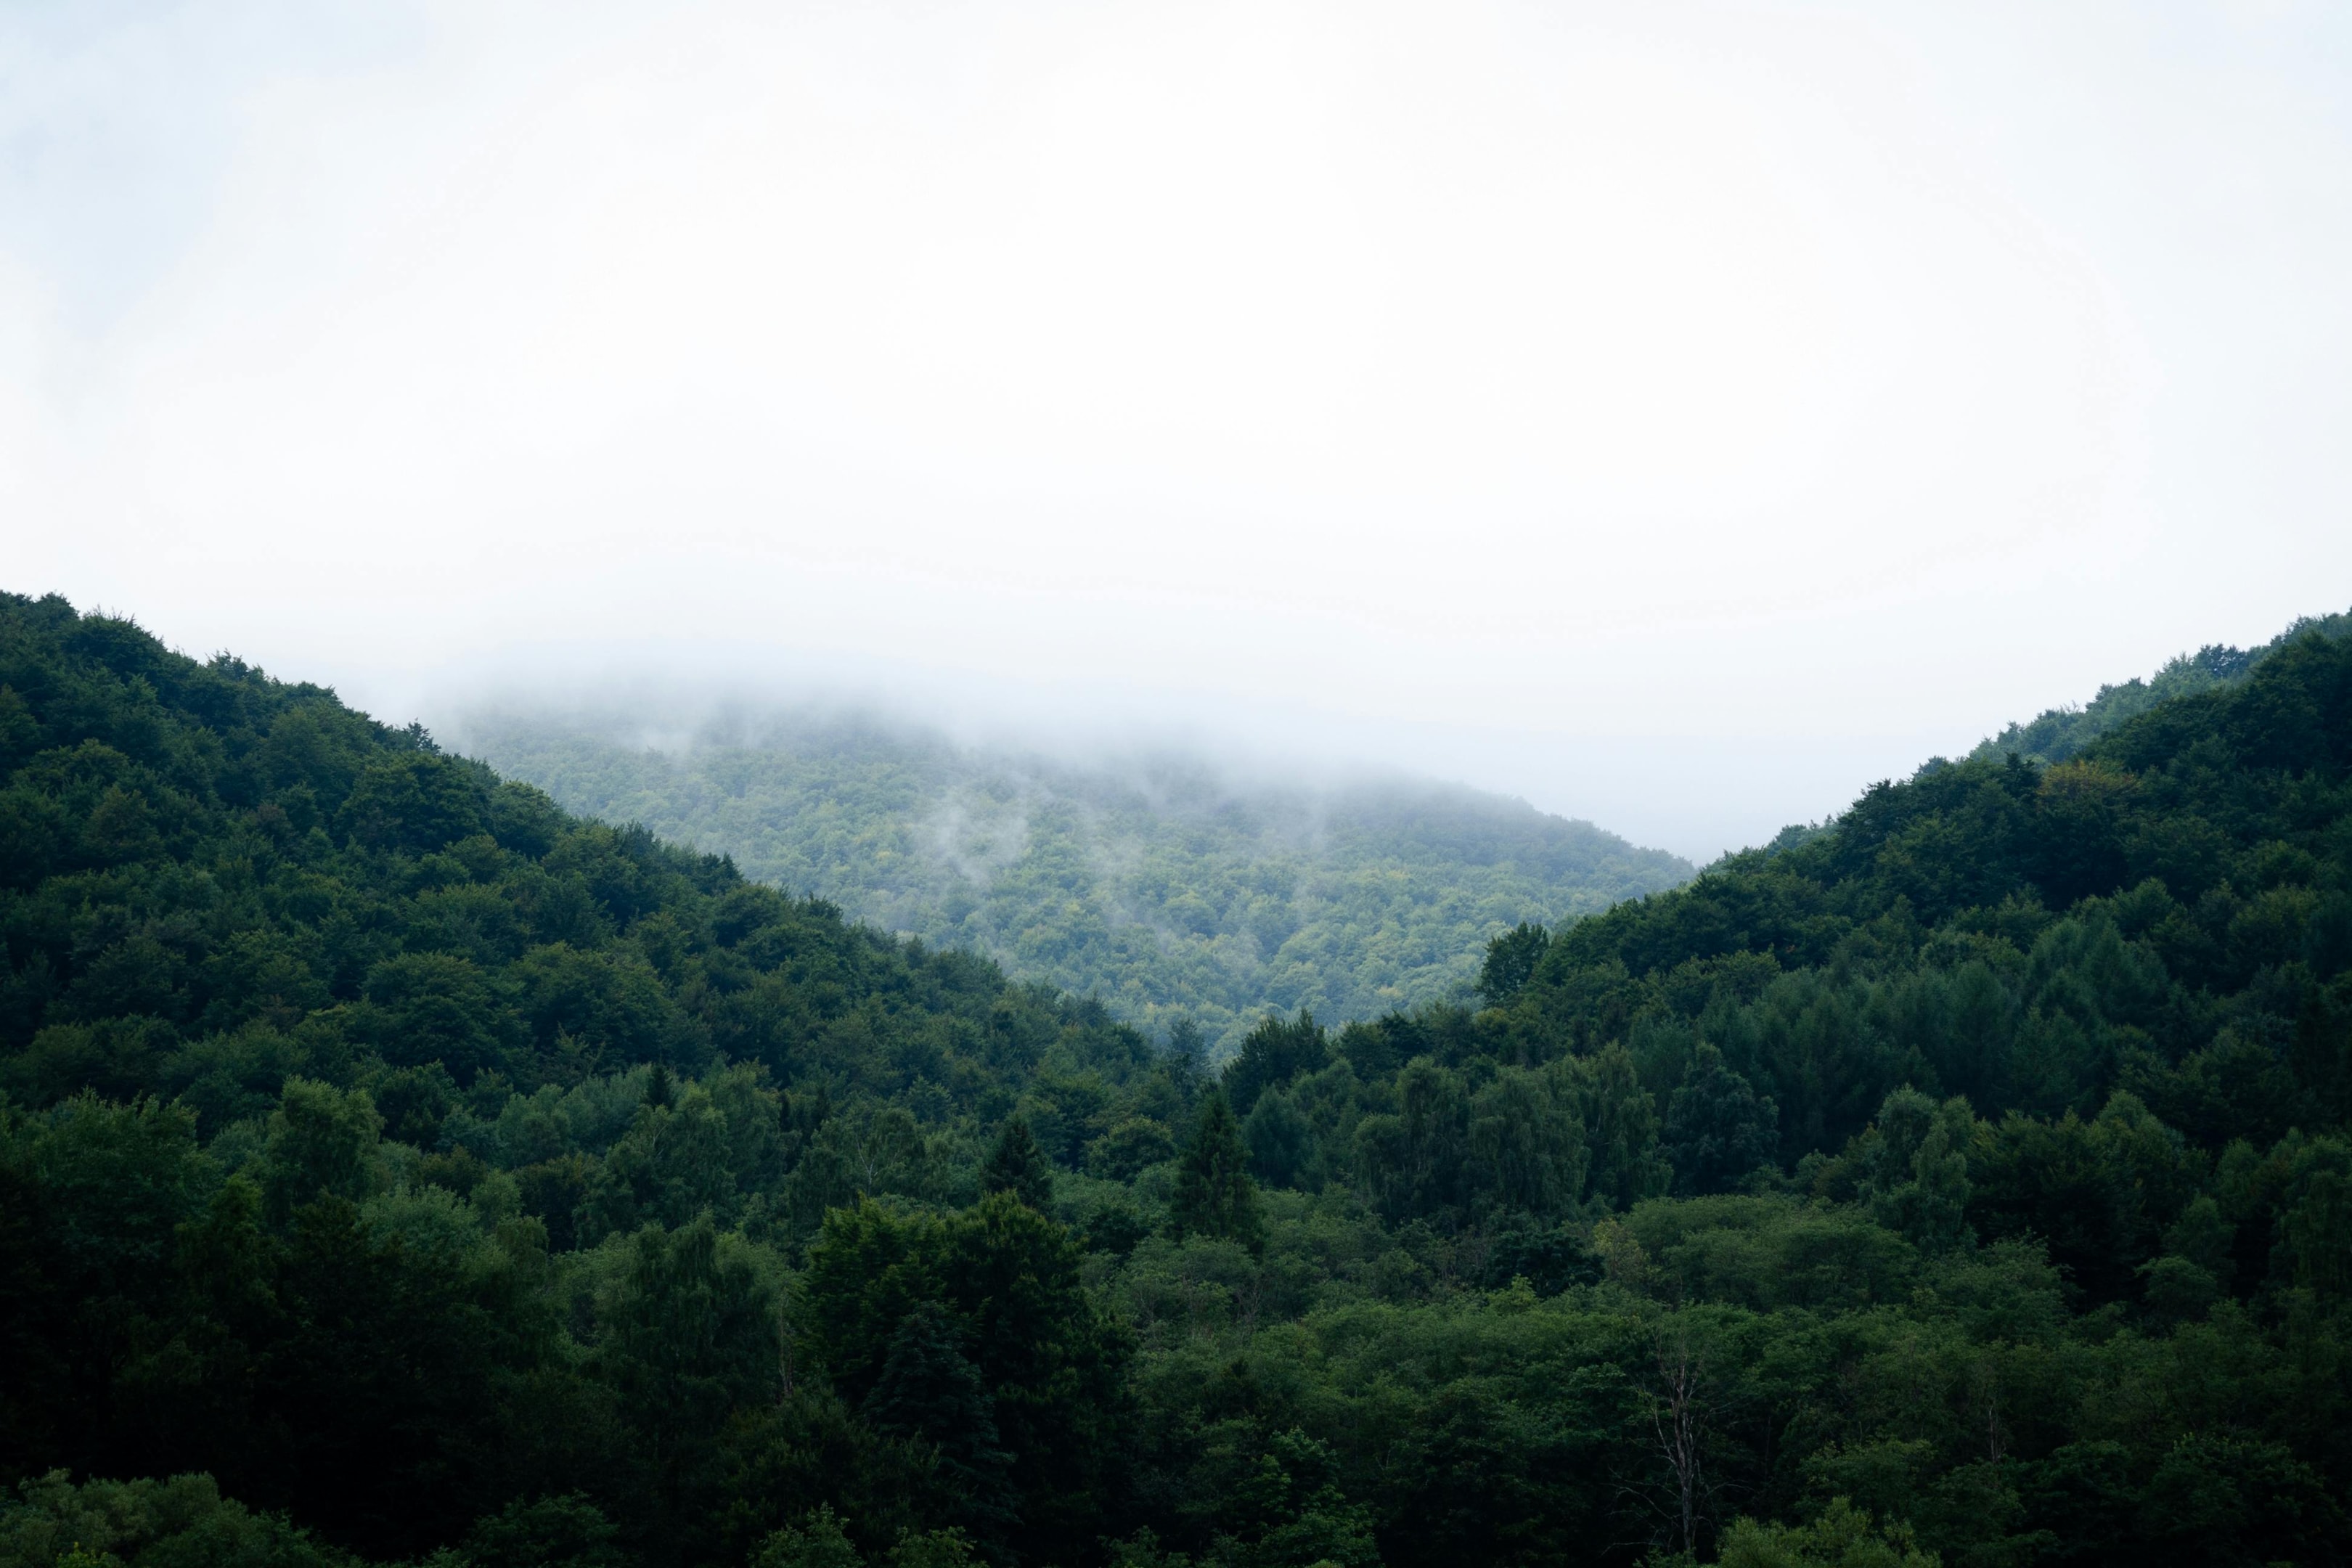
[436, 1027]
[1187, 1046]
[417, 803]
[1119, 1154]
[1842, 1537]
[1018, 1166]
[566, 1532]
[322, 1145]
[450, 1181]
[1511, 959]
[1281, 1144]
[1278, 1501]
[998, 1283]
[691, 1333]
[2011, 934]
[1271, 1056]
[817, 1542]
[931, 1395]
[182, 1522]
[1717, 1128]
[2062, 732]
[1215, 1195]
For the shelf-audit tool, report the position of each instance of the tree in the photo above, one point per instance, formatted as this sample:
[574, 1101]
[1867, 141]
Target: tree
[1678, 1412]
[1511, 959]
[1717, 1128]
[1018, 1166]
[691, 1338]
[931, 1395]
[1281, 1144]
[932, 1549]
[385, 1363]
[1621, 1128]
[868, 1269]
[102, 1524]
[1842, 1538]
[1279, 1502]
[1527, 1144]
[566, 1532]
[1129, 1147]
[1924, 1191]
[1007, 1283]
[1187, 1053]
[817, 1542]
[1416, 1164]
[1272, 1055]
[415, 802]
[321, 1144]
[1214, 1193]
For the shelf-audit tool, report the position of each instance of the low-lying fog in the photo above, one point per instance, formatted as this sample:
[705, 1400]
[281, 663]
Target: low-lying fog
[1693, 796]
[1172, 883]
[1678, 415]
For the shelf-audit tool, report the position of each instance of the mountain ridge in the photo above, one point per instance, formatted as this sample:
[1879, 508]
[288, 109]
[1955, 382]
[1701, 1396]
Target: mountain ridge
[396, 1168]
[1162, 884]
[2058, 733]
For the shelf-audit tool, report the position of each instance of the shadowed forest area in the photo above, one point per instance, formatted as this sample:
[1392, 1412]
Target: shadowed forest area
[397, 1168]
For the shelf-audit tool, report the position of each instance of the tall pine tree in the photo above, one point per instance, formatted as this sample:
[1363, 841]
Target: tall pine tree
[1214, 1193]
[1018, 1166]
[931, 1394]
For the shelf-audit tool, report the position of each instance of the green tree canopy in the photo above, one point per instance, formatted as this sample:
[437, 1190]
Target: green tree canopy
[1018, 1166]
[1214, 1193]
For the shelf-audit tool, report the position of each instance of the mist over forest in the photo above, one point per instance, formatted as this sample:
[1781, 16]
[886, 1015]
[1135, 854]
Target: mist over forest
[396, 1167]
[1282, 784]
[1163, 884]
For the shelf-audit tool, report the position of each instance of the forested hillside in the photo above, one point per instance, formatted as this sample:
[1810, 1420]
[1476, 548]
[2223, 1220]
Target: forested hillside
[1165, 888]
[2058, 733]
[395, 1167]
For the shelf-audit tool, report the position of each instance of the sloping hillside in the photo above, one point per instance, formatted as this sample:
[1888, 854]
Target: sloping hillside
[395, 1168]
[1164, 888]
[2059, 733]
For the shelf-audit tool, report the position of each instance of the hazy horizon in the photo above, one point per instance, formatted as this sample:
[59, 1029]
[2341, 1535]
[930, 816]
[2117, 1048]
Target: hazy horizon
[1657, 792]
[681, 722]
[1676, 415]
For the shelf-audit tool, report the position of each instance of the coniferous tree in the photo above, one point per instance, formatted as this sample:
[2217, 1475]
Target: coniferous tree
[930, 1392]
[1214, 1193]
[1018, 1166]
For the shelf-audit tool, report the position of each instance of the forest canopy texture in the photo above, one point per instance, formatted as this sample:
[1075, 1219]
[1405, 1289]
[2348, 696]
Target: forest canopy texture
[1162, 886]
[395, 1168]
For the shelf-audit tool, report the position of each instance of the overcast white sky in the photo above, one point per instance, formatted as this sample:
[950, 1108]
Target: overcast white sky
[1676, 414]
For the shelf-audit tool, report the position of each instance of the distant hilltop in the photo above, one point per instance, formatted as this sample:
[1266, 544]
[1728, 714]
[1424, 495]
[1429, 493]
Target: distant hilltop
[1163, 885]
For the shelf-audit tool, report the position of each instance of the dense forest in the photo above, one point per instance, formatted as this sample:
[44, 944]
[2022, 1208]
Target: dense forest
[396, 1168]
[1163, 885]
